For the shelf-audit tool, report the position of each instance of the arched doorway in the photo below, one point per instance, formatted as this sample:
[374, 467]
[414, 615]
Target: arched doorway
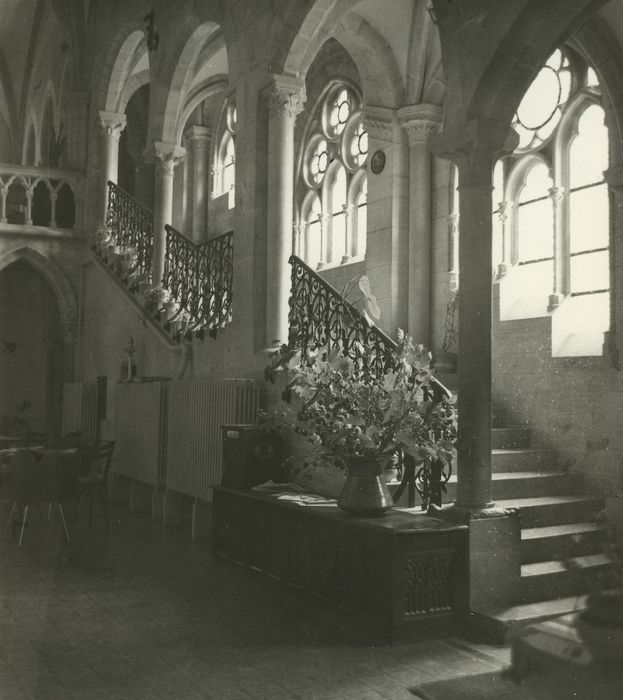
[31, 352]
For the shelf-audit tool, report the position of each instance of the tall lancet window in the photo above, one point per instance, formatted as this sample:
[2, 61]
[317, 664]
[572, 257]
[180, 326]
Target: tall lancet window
[332, 187]
[554, 207]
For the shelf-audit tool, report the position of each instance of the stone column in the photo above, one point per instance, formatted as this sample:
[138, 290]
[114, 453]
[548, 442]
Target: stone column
[561, 251]
[297, 232]
[504, 212]
[4, 193]
[420, 121]
[325, 243]
[453, 251]
[475, 150]
[53, 198]
[30, 191]
[199, 138]
[167, 157]
[285, 97]
[387, 246]
[111, 125]
[349, 242]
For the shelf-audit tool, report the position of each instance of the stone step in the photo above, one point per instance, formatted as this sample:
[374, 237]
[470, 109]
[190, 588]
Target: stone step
[542, 511]
[562, 541]
[507, 485]
[523, 460]
[548, 580]
[510, 438]
[501, 625]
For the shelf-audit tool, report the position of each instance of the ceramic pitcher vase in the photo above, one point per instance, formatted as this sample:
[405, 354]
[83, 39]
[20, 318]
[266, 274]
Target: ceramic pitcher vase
[365, 492]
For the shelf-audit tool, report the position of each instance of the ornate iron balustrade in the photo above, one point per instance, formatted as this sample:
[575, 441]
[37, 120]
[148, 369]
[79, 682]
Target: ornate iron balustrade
[320, 316]
[199, 278]
[131, 228]
[28, 197]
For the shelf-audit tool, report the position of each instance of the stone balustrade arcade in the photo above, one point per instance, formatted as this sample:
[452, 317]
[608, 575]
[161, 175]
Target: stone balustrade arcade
[40, 197]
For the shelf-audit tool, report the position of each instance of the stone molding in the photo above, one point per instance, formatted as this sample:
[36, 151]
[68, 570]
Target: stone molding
[420, 121]
[69, 331]
[614, 177]
[381, 123]
[199, 136]
[475, 149]
[167, 155]
[504, 210]
[111, 123]
[285, 96]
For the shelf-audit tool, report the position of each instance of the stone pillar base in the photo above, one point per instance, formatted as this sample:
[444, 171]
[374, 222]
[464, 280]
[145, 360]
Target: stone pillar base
[494, 554]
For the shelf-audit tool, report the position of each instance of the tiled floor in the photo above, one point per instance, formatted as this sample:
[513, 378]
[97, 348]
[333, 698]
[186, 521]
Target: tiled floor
[146, 613]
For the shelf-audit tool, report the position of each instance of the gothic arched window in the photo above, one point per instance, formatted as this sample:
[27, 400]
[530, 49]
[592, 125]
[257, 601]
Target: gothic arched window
[225, 167]
[332, 181]
[551, 207]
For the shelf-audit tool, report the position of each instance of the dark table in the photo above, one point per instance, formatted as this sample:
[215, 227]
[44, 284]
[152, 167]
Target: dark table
[403, 574]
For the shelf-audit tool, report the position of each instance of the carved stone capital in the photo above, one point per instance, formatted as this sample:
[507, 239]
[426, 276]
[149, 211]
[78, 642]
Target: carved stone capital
[167, 155]
[556, 194]
[381, 124]
[111, 123]
[285, 96]
[420, 121]
[475, 149]
[199, 137]
[504, 211]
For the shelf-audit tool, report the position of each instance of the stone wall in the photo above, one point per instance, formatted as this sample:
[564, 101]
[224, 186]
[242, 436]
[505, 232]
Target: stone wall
[571, 404]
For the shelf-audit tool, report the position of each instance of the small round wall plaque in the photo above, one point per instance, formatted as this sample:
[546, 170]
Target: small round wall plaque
[377, 162]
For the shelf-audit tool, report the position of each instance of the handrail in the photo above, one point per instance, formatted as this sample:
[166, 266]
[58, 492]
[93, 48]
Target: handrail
[199, 278]
[319, 315]
[131, 226]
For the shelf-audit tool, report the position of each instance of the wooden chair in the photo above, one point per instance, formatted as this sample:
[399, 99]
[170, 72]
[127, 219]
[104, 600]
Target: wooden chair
[95, 483]
[31, 478]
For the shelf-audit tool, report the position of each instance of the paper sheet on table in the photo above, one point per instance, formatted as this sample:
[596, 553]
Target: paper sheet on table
[306, 499]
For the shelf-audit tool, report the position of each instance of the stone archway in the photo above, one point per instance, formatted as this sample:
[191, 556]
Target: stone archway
[38, 312]
[183, 76]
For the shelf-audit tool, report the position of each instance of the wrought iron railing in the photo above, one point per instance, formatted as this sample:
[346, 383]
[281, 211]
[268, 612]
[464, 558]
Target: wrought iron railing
[130, 236]
[199, 280]
[320, 316]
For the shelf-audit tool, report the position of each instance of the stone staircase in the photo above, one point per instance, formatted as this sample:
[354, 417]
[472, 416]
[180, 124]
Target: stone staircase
[561, 532]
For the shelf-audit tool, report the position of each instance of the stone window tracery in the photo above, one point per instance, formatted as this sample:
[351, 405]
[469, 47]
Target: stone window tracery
[332, 181]
[551, 204]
